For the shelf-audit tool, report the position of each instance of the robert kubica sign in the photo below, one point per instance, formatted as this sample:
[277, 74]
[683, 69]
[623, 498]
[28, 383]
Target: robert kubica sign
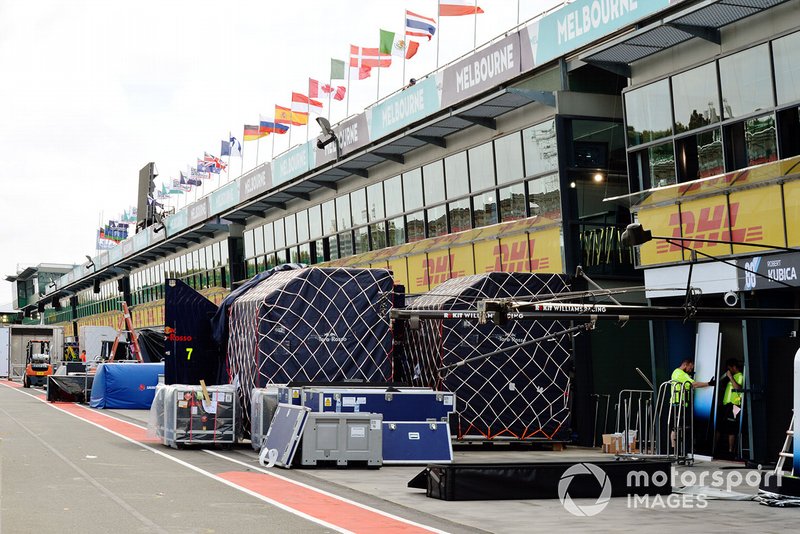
[780, 268]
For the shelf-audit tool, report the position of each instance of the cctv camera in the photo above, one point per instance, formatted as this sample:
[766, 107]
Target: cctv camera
[731, 298]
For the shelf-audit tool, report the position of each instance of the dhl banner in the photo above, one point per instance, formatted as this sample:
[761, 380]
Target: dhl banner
[745, 216]
[398, 267]
[791, 199]
[462, 260]
[755, 219]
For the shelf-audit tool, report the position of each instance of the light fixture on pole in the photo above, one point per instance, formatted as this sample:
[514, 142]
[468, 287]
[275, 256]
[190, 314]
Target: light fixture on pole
[332, 138]
[89, 263]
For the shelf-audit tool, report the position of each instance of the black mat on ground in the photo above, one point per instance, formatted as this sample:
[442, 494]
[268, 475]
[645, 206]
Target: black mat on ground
[513, 481]
[73, 388]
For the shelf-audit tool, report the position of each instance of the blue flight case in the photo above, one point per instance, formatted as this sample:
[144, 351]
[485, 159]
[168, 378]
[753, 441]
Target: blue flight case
[395, 404]
[416, 442]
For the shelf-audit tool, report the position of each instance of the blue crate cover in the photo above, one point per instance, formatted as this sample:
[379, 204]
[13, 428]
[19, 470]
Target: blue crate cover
[129, 386]
[191, 353]
[311, 324]
[522, 394]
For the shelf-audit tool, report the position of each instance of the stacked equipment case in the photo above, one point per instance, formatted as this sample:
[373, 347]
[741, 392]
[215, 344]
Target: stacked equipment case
[180, 415]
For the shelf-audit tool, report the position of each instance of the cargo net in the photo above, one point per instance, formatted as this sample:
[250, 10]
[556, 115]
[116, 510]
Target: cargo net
[314, 324]
[521, 394]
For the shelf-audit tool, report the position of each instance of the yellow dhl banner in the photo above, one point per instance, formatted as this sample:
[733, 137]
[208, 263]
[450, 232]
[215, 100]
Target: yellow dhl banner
[747, 216]
[791, 204]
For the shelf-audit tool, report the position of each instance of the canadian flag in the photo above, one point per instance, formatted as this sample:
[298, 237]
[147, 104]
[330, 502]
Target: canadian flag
[456, 8]
[315, 88]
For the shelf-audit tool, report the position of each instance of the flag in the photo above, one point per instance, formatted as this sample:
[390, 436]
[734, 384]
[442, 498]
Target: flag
[393, 44]
[251, 133]
[337, 69]
[419, 26]
[313, 88]
[456, 8]
[163, 194]
[214, 162]
[225, 148]
[194, 178]
[301, 105]
[284, 116]
[368, 57]
[176, 188]
[181, 185]
[234, 147]
[267, 126]
[360, 73]
[339, 94]
[197, 174]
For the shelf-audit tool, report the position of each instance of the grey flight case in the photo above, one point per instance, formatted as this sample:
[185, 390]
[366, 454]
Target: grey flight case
[342, 438]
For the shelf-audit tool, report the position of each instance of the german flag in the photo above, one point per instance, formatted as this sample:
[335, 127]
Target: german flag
[251, 133]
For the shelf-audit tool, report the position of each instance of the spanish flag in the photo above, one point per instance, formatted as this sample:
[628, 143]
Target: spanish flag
[251, 133]
[284, 116]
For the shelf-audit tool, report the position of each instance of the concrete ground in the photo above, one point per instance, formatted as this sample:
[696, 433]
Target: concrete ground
[60, 473]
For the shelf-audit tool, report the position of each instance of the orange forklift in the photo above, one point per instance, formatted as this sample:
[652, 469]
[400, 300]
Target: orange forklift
[38, 366]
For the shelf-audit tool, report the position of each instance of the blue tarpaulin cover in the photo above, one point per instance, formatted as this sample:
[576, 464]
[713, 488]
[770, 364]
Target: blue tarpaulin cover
[125, 385]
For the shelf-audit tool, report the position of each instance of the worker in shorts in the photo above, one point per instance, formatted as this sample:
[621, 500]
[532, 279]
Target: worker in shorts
[682, 376]
[731, 404]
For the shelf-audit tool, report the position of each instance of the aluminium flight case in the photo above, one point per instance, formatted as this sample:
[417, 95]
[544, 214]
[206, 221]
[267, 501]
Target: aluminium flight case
[191, 420]
[263, 403]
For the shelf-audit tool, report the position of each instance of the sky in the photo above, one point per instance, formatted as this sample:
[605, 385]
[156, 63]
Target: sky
[92, 90]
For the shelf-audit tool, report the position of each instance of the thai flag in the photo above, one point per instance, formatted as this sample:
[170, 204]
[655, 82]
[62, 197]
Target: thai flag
[419, 26]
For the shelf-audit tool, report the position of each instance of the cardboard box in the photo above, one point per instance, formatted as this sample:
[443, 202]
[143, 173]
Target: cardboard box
[612, 443]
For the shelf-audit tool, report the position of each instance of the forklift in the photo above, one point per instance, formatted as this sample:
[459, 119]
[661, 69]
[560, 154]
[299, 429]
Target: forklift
[37, 360]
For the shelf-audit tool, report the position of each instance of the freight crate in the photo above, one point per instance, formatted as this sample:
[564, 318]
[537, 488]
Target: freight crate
[189, 419]
[416, 442]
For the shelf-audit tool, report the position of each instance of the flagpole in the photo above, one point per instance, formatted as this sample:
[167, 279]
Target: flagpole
[272, 157]
[258, 140]
[405, 52]
[438, 30]
[330, 90]
[347, 105]
[378, 96]
[241, 152]
[475, 27]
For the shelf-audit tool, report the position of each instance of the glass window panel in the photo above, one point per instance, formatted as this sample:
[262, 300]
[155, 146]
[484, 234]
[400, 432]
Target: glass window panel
[787, 68]
[201, 263]
[251, 268]
[358, 206]
[393, 198]
[295, 254]
[258, 236]
[290, 228]
[539, 145]
[412, 189]
[433, 178]
[249, 248]
[662, 165]
[333, 247]
[415, 226]
[304, 253]
[759, 136]
[508, 155]
[375, 201]
[269, 261]
[460, 215]
[269, 238]
[396, 232]
[302, 226]
[746, 82]
[695, 98]
[512, 203]
[485, 209]
[648, 114]
[481, 167]
[710, 160]
[378, 235]
[437, 221]
[343, 219]
[544, 197]
[280, 234]
[315, 225]
[318, 255]
[345, 244]
[361, 240]
[189, 265]
[224, 253]
[328, 218]
[456, 175]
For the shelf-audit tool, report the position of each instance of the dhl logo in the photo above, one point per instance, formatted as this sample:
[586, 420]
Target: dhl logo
[514, 258]
[709, 223]
[435, 271]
